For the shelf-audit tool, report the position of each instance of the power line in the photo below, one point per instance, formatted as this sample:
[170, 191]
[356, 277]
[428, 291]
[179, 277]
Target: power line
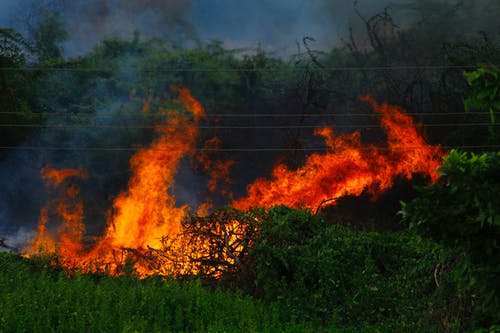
[272, 127]
[211, 70]
[276, 149]
[242, 115]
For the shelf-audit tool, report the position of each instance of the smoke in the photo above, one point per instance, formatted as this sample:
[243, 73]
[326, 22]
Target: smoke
[86, 141]
[91, 21]
[22, 191]
[443, 20]
[273, 25]
[15, 241]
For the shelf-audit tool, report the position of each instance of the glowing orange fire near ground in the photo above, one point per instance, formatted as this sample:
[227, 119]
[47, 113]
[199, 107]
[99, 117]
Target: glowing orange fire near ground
[145, 217]
[66, 208]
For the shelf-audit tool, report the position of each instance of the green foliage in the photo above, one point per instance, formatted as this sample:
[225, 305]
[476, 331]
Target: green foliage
[301, 265]
[16, 104]
[485, 89]
[13, 48]
[329, 273]
[310, 276]
[462, 210]
[36, 299]
[48, 37]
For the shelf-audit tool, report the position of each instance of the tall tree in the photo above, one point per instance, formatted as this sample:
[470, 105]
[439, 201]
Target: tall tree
[48, 37]
[15, 106]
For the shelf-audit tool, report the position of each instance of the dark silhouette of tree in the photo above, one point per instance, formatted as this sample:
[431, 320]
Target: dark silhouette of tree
[48, 37]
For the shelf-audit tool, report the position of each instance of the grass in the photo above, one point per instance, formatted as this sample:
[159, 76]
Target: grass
[43, 299]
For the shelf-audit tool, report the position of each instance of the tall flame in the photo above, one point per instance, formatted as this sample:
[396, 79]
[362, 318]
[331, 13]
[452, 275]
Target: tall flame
[66, 207]
[145, 213]
[145, 217]
[349, 167]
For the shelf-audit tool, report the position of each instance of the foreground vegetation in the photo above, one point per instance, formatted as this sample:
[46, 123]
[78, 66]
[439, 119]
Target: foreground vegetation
[300, 272]
[300, 292]
[336, 280]
[39, 298]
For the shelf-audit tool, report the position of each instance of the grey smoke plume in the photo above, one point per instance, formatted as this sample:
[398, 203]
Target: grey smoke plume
[91, 21]
[16, 241]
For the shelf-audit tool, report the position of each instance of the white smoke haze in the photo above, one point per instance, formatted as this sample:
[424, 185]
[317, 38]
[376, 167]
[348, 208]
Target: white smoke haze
[16, 241]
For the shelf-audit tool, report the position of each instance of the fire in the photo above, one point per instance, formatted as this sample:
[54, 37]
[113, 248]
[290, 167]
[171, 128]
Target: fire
[143, 214]
[349, 167]
[146, 212]
[218, 171]
[66, 207]
[146, 222]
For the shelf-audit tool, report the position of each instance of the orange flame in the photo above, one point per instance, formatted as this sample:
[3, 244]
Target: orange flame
[146, 212]
[349, 167]
[145, 218]
[142, 214]
[68, 238]
[218, 170]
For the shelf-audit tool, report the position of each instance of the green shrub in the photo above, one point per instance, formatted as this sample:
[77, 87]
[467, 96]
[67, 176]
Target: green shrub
[462, 211]
[329, 273]
[485, 94]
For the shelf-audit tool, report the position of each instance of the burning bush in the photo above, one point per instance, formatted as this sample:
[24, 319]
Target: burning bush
[148, 232]
[215, 246]
[311, 268]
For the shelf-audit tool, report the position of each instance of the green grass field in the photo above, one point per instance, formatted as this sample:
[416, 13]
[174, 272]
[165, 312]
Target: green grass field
[42, 299]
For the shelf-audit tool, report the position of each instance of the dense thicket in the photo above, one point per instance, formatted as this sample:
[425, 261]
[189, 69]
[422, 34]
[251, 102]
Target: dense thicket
[418, 65]
[462, 211]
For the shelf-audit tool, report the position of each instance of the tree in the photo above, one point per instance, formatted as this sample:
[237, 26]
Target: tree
[48, 36]
[14, 88]
[13, 48]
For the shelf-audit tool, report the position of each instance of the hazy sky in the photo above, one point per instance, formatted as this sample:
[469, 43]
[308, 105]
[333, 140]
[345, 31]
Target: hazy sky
[274, 24]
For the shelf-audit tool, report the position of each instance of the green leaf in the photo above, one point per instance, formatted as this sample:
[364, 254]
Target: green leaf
[467, 105]
[483, 94]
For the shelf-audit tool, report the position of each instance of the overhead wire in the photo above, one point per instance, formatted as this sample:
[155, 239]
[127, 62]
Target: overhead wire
[254, 115]
[221, 69]
[236, 126]
[238, 115]
[262, 149]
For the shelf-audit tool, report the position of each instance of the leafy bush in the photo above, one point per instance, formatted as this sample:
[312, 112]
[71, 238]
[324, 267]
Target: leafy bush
[485, 91]
[462, 211]
[329, 273]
